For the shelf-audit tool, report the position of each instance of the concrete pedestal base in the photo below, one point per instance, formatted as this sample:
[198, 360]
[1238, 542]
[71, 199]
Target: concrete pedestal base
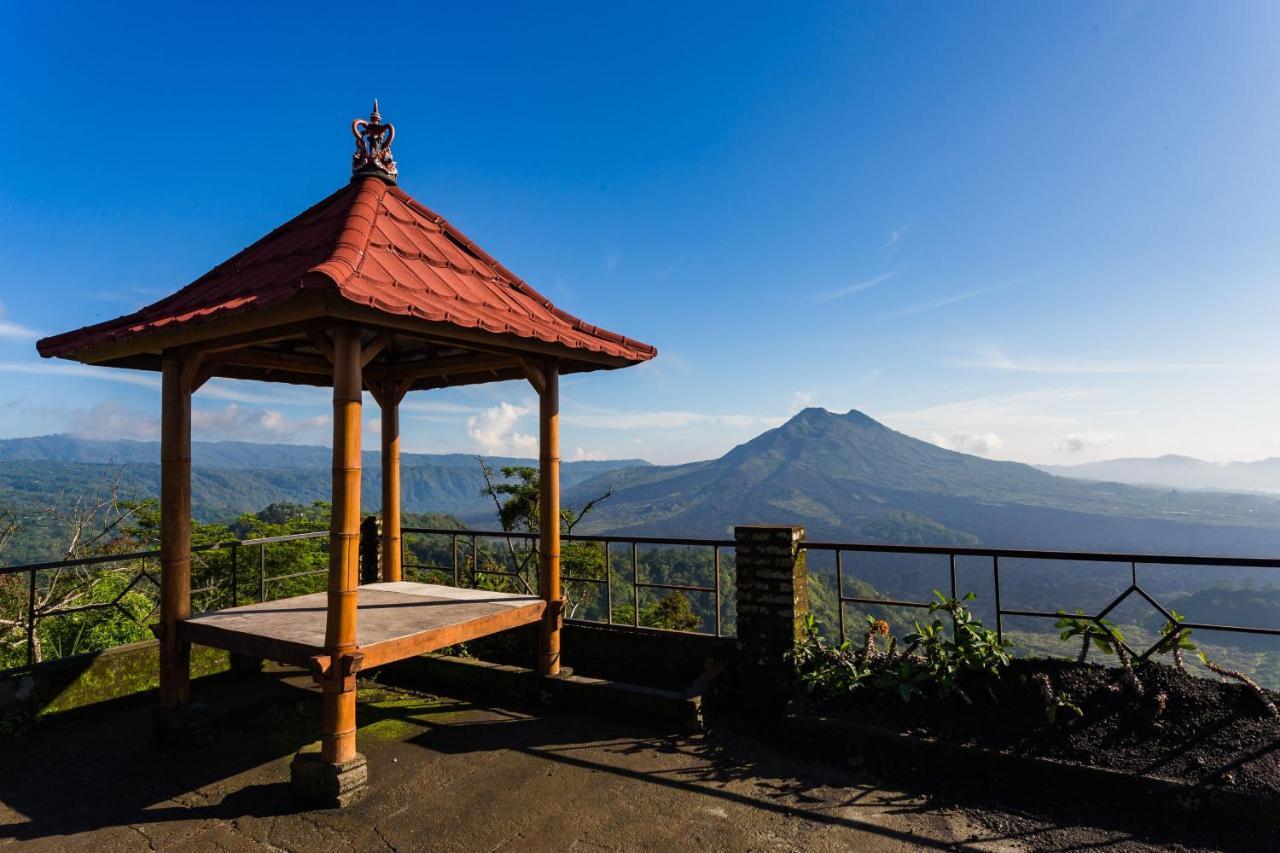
[327, 785]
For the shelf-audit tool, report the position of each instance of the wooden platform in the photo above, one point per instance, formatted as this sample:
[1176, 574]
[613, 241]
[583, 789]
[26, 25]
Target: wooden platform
[394, 621]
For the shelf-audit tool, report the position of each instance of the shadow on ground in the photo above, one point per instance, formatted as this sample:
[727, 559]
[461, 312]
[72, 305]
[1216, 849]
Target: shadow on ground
[456, 775]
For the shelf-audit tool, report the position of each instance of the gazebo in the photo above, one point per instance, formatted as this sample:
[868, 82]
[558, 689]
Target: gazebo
[366, 290]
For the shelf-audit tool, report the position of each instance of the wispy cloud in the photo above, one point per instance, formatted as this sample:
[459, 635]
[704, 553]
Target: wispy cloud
[16, 331]
[438, 407]
[247, 424]
[81, 371]
[896, 236]
[947, 300]
[1084, 441]
[267, 394]
[841, 292]
[134, 297]
[600, 419]
[800, 400]
[9, 329]
[216, 389]
[1100, 363]
[996, 411]
[111, 419]
[979, 444]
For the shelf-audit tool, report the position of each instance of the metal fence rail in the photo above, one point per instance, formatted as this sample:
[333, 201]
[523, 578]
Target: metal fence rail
[33, 615]
[463, 565]
[997, 554]
[606, 541]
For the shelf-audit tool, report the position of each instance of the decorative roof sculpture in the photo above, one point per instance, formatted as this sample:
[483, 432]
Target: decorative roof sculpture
[373, 147]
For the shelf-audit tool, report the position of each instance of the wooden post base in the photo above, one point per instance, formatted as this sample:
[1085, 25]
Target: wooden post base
[327, 784]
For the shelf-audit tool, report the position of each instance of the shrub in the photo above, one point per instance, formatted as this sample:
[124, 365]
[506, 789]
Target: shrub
[935, 662]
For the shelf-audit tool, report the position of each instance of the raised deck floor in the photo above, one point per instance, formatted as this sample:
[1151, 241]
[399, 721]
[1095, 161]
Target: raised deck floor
[394, 621]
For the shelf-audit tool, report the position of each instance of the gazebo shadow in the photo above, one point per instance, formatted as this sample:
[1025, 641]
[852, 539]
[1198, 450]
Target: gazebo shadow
[102, 767]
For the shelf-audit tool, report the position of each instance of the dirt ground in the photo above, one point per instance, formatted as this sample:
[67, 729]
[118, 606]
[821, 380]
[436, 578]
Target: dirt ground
[452, 775]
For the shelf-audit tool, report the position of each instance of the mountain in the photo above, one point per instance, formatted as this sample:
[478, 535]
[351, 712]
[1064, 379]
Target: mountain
[1179, 472]
[844, 476]
[232, 477]
[245, 454]
[850, 477]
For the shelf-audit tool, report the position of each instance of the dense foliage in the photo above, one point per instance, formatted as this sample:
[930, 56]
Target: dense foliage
[941, 658]
[87, 608]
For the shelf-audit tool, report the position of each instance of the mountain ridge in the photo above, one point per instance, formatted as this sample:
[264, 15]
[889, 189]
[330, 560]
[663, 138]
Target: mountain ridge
[842, 475]
[64, 447]
[1177, 471]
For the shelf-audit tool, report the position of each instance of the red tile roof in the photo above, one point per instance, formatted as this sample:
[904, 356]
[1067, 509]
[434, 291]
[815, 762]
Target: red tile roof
[374, 245]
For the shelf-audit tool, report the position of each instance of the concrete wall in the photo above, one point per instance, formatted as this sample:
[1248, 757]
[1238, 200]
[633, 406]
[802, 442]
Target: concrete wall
[86, 679]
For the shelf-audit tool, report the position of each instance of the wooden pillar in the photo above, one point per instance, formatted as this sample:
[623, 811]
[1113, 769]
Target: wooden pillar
[549, 517]
[391, 556]
[338, 734]
[175, 531]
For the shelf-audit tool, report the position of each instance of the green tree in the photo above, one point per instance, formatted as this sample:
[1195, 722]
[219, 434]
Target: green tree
[515, 491]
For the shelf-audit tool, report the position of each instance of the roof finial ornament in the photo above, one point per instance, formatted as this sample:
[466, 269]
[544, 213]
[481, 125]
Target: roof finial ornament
[373, 147]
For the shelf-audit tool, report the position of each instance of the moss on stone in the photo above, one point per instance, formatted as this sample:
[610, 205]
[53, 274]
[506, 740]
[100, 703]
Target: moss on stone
[102, 676]
[390, 715]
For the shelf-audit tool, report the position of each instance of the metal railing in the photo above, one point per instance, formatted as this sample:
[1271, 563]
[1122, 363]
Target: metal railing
[995, 555]
[472, 538]
[34, 614]
[466, 561]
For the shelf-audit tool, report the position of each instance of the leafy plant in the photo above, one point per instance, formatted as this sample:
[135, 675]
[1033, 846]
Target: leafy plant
[823, 668]
[1175, 639]
[1099, 633]
[904, 677]
[1235, 675]
[1053, 700]
[971, 648]
[933, 663]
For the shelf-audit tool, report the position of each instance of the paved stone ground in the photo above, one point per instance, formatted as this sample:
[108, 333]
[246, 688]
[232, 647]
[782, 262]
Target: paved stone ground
[449, 775]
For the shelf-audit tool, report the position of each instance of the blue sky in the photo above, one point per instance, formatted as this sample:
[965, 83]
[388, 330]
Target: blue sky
[1043, 232]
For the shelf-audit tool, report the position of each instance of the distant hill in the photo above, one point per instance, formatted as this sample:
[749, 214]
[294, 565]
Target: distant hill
[848, 476]
[244, 454]
[844, 476]
[1179, 472]
[233, 477]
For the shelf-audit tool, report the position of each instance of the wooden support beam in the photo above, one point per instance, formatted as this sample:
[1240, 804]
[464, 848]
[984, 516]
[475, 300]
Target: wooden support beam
[376, 346]
[203, 375]
[549, 518]
[273, 360]
[429, 368]
[321, 342]
[192, 365]
[533, 371]
[338, 727]
[175, 530]
[389, 395]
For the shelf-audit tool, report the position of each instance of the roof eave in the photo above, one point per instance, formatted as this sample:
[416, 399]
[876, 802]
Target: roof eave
[252, 321]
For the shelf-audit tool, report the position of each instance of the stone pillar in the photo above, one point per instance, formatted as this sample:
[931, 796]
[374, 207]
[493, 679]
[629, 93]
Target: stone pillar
[773, 597]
